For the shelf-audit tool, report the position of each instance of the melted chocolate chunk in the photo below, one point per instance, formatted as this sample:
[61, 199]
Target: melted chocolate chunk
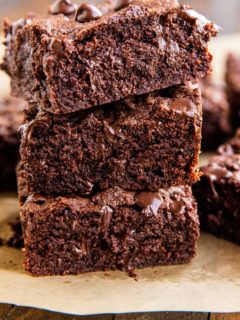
[214, 173]
[178, 206]
[57, 47]
[148, 200]
[28, 130]
[112, 132]
[87, 12]
[65, 7]
[106, 217]
[120, 4]
[183, 105]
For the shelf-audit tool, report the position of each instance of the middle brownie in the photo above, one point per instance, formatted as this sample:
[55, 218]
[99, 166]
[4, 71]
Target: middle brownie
[144, 142]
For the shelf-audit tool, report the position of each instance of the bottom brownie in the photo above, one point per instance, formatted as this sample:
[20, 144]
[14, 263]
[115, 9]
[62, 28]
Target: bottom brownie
[112, 230]
[218, 197]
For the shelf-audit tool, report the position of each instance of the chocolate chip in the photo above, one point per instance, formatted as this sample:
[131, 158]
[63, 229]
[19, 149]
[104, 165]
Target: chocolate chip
[87, 12]
[148, 200]
[65, 7]
[120, 4]
[57, 47]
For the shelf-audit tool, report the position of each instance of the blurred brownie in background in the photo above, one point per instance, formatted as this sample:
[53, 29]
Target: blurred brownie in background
[11, 117]
[232, 146]
[233, 87]
[216, 115]
[218, 197]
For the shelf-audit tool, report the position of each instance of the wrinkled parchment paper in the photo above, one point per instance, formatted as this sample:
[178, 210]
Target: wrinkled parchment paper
[210, 283]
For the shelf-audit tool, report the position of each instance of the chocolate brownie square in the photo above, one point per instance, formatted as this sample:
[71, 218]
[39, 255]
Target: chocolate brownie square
[232, 146]
[11, 117]
[216, 126]
[113, 230]
[69, 61]
[144, 142]
[233, 87]
[218, 197]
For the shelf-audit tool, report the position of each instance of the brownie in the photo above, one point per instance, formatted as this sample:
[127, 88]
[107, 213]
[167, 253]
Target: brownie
[218, 197]
[16, 239]
[233, 87]
[216, 126]
[113, 230]
[11, 117]
[144, 142]
[69, 62]
[232, 146]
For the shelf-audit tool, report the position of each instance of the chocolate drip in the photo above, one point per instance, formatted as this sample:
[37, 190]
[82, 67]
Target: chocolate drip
[120, 4]
[65, 7]
[87, 12]
[148, 200]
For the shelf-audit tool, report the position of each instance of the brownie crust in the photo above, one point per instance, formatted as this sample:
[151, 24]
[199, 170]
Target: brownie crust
[112, 230]
[141, 143]
[65, 66]
[218, 197]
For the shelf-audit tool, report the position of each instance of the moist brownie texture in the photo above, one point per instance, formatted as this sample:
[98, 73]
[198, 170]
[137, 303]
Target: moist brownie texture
[232, 146]
[216, 126]
[112, 230]
[233, 87]
[64, 65]
[218, 197]
[11, 117]
[144, 142]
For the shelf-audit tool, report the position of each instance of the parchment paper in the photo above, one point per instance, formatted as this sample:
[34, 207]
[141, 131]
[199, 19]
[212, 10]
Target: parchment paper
[210, 283]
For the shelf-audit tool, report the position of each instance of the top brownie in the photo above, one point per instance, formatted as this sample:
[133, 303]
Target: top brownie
[79, 57]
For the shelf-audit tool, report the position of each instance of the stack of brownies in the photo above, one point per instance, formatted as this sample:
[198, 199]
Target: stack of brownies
[112, 133]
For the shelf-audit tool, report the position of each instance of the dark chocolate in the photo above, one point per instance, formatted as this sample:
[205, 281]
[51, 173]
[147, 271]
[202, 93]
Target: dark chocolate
[119, 4]
[87, 12]
[65, 7]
